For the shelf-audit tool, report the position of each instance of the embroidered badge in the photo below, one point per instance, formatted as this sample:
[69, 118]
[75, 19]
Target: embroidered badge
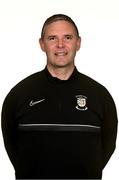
[81, 102]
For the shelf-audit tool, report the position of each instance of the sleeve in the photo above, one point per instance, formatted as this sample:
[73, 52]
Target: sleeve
[9, 128]
[109, 128]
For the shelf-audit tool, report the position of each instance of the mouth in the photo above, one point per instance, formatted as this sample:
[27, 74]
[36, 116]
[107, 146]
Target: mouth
[61, 53]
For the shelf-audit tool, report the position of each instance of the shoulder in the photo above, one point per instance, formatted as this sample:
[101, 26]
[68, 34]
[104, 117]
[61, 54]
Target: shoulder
[31, 79]
[91, 85]
[96, 91]
[26, 85]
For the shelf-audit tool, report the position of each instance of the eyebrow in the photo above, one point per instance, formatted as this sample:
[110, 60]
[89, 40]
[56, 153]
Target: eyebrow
[54, 35]
[51, 36]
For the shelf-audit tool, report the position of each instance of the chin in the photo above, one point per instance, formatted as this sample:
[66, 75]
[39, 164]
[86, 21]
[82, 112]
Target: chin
[62, 65]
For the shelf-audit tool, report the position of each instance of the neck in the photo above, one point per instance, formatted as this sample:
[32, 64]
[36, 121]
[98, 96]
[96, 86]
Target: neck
[62, 73]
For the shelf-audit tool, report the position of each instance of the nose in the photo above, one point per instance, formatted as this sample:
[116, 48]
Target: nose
[60, 43]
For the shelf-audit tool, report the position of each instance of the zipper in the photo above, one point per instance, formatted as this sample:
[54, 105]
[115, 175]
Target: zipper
[60, 127]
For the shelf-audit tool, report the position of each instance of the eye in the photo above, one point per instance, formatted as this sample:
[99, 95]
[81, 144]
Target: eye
[51, 38]
[68, 37]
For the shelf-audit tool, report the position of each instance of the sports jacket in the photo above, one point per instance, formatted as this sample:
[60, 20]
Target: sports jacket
[59, 129]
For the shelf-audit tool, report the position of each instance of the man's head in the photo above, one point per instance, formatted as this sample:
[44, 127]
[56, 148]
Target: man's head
[58, 17]
[60, 40]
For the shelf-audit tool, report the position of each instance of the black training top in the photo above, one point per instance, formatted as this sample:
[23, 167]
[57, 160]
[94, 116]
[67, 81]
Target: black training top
[59, 129]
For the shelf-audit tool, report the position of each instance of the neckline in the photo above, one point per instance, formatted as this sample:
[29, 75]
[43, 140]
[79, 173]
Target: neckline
[57, 81]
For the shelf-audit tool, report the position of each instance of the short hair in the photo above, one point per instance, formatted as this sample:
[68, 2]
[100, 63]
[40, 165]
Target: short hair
[58, 17]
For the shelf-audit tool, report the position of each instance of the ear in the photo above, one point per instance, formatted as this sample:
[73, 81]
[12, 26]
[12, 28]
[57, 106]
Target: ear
[78, 43]
[41, 42]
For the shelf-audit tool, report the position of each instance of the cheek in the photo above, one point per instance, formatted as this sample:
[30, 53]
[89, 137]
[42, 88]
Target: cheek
[49, 51]
[73, 48]
[49, 48]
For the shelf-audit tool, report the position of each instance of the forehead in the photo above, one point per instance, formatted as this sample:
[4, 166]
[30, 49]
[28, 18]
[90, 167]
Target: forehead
[60, 26]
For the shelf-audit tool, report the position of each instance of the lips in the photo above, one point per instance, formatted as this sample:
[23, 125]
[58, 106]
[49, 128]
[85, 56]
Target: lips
[62, 53]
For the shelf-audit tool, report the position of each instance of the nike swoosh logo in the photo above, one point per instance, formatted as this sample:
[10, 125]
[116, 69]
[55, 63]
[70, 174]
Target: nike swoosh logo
[32, 103]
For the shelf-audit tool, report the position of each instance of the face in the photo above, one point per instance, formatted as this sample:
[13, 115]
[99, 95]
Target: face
[60, 43]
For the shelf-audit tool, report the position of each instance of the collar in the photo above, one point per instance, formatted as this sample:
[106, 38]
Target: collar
[55, 80]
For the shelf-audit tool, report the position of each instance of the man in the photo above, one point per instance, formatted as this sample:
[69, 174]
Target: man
[59, 123]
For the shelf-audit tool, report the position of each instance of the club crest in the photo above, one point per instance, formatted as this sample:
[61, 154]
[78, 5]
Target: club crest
[81, 102]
